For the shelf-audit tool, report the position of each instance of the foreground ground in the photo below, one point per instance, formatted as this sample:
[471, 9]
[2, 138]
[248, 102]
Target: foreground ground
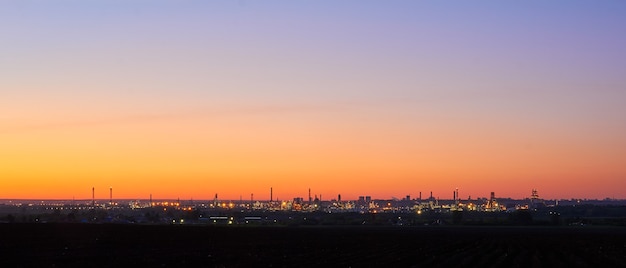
[114, 245]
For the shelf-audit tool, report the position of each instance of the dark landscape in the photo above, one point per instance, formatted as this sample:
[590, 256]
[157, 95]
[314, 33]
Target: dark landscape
[116, 245]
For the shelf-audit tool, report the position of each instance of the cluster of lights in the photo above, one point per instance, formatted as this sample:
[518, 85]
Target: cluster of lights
[166, 204]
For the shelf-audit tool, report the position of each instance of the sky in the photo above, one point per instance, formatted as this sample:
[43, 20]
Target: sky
[186, 99]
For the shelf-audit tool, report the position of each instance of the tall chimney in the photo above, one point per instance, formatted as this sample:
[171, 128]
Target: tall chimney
[93, 196]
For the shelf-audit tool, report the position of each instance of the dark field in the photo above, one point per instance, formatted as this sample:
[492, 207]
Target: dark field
[110, 245]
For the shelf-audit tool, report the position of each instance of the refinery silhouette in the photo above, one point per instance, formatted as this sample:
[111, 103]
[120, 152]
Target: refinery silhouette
[418, 210]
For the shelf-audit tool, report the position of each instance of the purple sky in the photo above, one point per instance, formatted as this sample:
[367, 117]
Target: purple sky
[537, 73]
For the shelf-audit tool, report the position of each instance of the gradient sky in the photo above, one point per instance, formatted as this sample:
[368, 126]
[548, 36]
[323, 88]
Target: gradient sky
[185, 99]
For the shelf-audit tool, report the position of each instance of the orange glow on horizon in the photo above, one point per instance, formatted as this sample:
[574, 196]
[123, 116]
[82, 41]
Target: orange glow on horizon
[181, 159]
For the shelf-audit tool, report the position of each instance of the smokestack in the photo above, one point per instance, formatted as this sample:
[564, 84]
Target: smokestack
[271, 194]
[420, 195]
[339, 197]
[93, 196]
[310, 196]
[431, 194]
[110, 195]
[150, 200]
[454, 196]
